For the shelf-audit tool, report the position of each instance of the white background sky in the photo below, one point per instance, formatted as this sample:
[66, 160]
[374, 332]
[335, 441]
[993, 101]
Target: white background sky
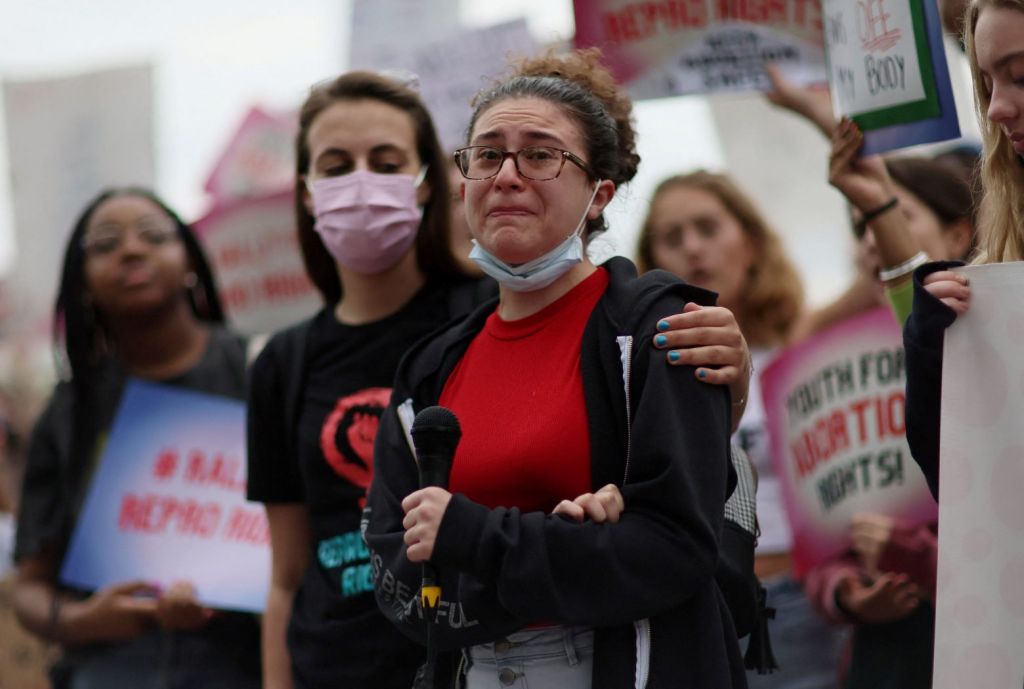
[216, 58]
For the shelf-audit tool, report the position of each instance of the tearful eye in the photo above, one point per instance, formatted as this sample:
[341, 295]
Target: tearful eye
[539, 155]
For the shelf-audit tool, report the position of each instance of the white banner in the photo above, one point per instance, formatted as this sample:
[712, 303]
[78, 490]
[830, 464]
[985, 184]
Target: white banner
[979, 621]
[67, 139]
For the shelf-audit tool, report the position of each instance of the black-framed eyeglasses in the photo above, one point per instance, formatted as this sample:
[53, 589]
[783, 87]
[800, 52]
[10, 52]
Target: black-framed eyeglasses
[539, 163]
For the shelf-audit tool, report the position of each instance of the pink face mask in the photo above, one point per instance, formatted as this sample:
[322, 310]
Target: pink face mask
[367, 220]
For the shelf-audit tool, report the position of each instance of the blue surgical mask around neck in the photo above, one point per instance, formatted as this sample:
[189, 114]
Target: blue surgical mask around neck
[541, 271]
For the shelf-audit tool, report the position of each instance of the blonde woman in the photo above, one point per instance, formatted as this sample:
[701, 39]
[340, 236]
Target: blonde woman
[994, 40]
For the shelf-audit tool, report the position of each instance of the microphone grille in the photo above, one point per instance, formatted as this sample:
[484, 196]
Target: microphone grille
[436, 419]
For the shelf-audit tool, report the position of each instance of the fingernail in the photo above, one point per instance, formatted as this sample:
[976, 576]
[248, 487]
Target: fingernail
[673, 357]
[702, 374]
[663, 325]
[661, 340]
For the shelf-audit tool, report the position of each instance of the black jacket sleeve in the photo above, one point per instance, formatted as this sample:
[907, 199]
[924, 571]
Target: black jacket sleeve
[273, 468]
[922, 341]
[534, 567]
[43, 508]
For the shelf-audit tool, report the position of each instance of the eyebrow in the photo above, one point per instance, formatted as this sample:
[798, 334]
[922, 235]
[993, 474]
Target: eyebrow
[1005, 60]
[388, 148]
[530, 135]
[380, 148]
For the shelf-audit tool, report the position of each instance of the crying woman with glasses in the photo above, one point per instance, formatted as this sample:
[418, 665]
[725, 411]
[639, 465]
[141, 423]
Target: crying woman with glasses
[577, 543]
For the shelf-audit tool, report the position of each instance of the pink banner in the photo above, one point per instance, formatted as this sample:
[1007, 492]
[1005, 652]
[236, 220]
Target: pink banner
[835, 413]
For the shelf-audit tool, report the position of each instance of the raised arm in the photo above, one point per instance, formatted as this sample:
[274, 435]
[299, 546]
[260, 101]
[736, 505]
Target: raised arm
[866, 184]
[812, 104]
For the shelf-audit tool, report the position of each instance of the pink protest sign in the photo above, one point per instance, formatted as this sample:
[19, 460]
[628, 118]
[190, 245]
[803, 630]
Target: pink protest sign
[835, 412]
[258, 159]
[672, 47]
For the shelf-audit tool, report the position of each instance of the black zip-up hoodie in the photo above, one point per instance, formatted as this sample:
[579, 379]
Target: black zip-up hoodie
[646, 584]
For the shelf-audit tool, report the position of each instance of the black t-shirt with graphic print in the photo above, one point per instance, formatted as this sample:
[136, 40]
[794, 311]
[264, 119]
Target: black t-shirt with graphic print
[336, 636]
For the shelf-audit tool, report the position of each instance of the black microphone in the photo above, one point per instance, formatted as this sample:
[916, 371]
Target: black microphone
[435, 435]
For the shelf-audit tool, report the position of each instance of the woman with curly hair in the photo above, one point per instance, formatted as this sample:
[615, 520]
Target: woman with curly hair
[578, 543]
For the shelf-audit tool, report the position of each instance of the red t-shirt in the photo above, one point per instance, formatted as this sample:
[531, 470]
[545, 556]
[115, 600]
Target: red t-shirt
[518, 394]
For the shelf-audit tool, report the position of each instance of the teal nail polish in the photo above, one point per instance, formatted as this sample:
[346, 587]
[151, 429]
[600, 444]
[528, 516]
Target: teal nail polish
[661, 340]
[702, 374]
[673, 356]
[663, 325]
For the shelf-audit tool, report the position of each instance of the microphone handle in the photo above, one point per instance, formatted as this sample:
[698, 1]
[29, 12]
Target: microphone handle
[435, 468]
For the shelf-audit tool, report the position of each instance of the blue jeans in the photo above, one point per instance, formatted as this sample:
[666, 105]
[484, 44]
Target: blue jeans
[806, 648]
[543, 658]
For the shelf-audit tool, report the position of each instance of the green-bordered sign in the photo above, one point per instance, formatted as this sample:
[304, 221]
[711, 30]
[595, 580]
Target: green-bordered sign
[886, 66]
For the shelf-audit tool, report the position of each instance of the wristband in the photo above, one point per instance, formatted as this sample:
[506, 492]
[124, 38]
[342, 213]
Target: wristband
[905, 268]
[862, 225]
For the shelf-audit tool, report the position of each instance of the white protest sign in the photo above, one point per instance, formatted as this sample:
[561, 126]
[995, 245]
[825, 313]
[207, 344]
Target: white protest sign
[979, 618]
[873, 54]
[167, 502]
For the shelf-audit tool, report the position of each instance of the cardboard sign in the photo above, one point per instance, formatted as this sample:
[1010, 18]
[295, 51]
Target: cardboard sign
[676, 47]
[835, 410]
[887, 71]
[979, 616]
[167, 502]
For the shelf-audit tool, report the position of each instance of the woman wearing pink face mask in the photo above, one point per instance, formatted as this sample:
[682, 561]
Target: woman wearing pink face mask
[372, 208]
